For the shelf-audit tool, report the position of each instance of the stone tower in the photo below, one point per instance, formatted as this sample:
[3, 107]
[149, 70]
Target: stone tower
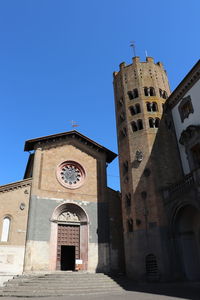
[141, 90]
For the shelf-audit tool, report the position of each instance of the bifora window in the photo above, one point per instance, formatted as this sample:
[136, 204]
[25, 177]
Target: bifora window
[185, 108]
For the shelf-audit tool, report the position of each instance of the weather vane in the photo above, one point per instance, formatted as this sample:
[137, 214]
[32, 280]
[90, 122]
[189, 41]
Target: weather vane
[73, 124]
[132, 45]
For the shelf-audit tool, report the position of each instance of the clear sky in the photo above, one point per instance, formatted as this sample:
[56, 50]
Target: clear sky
[57, 58]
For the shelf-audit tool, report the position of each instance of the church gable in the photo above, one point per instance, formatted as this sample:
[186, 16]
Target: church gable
[67, 169]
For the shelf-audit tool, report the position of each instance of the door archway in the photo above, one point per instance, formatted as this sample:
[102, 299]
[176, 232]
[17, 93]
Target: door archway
[69, 238]
[187, 233]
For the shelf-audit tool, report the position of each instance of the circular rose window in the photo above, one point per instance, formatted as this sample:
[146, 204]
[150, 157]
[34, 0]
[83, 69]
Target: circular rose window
[70, 174]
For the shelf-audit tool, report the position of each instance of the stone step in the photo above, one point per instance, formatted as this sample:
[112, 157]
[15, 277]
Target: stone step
[57, 285]
[60, 293]
[65, 284]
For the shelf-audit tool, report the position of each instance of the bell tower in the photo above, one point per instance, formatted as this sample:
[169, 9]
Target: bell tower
[141, 89]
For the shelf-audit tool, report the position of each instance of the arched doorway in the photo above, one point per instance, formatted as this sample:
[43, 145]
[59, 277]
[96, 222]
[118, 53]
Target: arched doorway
[187, 233]
[69, 238]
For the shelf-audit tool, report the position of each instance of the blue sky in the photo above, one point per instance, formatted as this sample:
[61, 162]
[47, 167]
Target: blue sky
[57, 58]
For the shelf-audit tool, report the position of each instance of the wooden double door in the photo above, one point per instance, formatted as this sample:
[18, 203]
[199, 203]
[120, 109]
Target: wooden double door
[68, 246]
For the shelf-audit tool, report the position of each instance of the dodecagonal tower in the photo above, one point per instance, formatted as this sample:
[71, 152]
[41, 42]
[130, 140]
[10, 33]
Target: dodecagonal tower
[141, 90]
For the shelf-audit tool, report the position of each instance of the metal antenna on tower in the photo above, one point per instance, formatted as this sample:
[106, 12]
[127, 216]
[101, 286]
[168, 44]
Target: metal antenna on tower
[132, 45]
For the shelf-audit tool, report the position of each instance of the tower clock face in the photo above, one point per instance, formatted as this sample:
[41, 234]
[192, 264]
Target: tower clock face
[70, 174]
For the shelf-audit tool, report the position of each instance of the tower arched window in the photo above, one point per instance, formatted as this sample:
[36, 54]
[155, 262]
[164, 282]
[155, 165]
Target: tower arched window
[164, 95]
[132, 110]
[135, 92]
[154, 106]
[152, 91]
[161, 93]
[146, 91]
[139, 124]
[157, 122]
[151, 122]
[5, 229]
[137, 107]
[130, 225]
[134, 126]
[148, 104]
[130, 95]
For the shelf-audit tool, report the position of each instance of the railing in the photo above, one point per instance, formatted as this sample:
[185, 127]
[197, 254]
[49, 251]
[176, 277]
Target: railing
[182, 186]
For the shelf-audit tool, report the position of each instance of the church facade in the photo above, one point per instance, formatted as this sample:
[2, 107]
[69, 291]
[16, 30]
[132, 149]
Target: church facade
[66, 218]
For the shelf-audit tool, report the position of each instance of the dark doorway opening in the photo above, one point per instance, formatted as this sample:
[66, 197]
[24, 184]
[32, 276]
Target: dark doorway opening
[67, 258]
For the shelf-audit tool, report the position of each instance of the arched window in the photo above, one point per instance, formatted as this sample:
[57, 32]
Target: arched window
[154, 106]
[122, 117]
[139, 124]
[151, 267]
[146, 91]
[134, 126]
[130, 225]
[161, 93]
[165, 95]
[135, 92]
[130, 94]
[123, 132]
[5, 229]
[151, 122]
[137, 107]
[148, 104]
[152, 91]
[132, 110]
[128, 200]
[157, 122]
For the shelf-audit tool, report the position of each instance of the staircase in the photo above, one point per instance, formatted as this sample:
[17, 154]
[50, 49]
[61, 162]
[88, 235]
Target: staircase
[59, 284]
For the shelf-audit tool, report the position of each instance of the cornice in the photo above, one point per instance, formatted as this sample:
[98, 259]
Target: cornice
[185, 85]
[15, 185]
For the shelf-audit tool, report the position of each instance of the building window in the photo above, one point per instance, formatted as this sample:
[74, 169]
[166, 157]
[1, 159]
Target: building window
[133, 94]
[149, 91]
[123, 132]
[137, 125]
[146, 91]
[151, 122]
[135, 91]
[196, 156]
[152, 106]
[185, 108]
[163, 94]
[130, 225]
[154, 123]
[121, 102]
[152, 91]
[132, 110]
[122, 117]
[130, 95]
[135, 109]
[128, 200]
[125, 167]
[157, 122]
[5, 229]
[134, 126]
[151, 267]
